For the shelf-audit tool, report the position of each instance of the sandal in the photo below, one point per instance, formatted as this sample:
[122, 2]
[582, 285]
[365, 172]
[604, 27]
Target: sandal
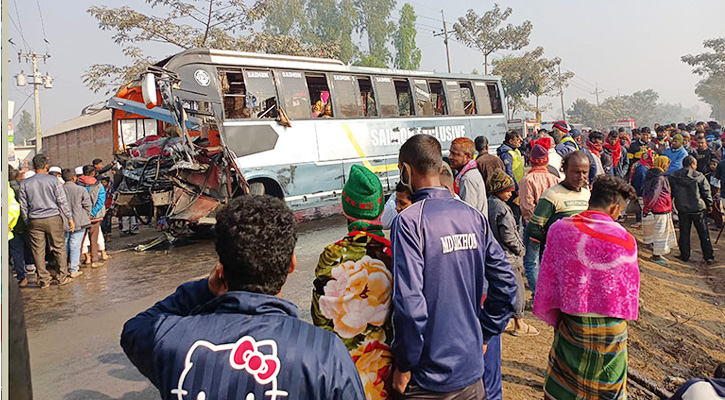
[660, 261]
[529, 331]
[510, 326]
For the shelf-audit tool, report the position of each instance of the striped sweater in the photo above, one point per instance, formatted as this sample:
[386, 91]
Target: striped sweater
[556, 203]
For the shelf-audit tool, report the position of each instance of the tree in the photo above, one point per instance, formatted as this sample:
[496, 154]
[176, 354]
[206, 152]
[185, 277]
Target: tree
[582, 112]
[711, 66]
[323, 21]
[374, 20]
[287, 18]
[348, 16]
[530, 75]
[185, 24]
[25, 130]
[407, 54]
[486, 34]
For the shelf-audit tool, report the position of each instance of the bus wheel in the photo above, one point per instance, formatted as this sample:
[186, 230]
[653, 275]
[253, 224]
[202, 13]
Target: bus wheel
[257, 188]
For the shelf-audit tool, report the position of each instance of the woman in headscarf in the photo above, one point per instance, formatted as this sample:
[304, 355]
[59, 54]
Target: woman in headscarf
[657, 210]
[353, 284]
[587, 290]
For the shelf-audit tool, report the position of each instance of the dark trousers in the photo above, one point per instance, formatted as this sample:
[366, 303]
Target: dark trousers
[472, 392]
[50, 229]
[19, 382]
[16, 247]
[92, 233]
[492, 369]
[700, 221]
[106, 226]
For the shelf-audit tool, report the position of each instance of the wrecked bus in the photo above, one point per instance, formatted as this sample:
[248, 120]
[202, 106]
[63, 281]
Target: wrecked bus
[203, 126]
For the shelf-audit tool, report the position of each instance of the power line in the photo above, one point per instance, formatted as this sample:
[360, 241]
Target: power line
[21, 106]
[42, 26]
[20, 32]
[20, 25]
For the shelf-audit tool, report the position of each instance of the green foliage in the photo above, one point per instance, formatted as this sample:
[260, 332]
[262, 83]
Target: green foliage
[407, 54]
[711, 66]
[25, 129]
[185, 24]
[530, 75]
[323, 21]
[487, 34]
[348, 16]
[287, 17]
[374, 20]
[642, 106]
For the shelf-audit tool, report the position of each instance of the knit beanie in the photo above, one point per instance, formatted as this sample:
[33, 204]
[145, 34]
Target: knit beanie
[499, 181]
[539, 155]
[545, 142]
[562, 126]
[362, 196]
[575, 133]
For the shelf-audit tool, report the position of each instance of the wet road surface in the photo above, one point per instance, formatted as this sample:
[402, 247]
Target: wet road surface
[74, 331]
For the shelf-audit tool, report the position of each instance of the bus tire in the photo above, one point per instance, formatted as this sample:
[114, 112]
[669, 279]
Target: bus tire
[257, 188]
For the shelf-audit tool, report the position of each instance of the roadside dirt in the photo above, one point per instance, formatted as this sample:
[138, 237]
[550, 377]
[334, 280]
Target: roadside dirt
[680, 331]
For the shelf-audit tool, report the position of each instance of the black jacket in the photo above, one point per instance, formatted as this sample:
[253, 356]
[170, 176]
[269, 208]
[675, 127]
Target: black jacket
[690, 190]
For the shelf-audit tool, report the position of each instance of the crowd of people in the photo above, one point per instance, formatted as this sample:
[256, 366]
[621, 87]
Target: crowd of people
[63, 215]
[421, 315]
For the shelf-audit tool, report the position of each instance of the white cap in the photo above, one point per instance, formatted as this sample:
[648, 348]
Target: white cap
[28, 174]
[55, 169]
[79, 170]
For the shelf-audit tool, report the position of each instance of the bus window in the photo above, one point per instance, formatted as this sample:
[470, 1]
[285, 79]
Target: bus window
[261, 94]
[469, 106]
[131, 130]
[438, 99]
[424, 105]
[405, 100]
[495, 95]
[346, 96]
[455, 103]
[367, 97]
[320, 96]
[235, 101]
[295, 97]
[480, 91]
[387, 97]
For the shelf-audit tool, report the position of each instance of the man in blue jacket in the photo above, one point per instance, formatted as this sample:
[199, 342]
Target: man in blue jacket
[230, 336]
[446, 264]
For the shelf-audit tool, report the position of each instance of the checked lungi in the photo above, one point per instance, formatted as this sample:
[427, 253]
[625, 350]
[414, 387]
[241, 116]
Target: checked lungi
[659, 231]
[588, 359]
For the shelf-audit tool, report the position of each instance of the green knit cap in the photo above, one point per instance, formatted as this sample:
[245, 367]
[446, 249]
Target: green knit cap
[362, 196]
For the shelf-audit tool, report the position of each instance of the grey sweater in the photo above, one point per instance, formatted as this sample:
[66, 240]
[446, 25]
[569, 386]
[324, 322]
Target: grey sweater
[42, 196]
[80, 204]
[473, 190]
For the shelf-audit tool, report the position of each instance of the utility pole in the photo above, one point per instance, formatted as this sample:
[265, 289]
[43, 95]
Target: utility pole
[597, 92]
[561, 94]
[38, 80]
[445, 40]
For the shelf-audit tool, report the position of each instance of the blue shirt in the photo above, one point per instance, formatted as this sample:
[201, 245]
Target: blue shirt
[234, 345]
[445, 263]
[676, 157]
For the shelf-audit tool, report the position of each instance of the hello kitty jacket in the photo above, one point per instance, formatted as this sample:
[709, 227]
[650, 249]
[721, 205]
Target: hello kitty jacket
[240, 345]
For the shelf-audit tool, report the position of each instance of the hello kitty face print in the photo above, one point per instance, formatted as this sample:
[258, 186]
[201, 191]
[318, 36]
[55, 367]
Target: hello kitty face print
[256, 358]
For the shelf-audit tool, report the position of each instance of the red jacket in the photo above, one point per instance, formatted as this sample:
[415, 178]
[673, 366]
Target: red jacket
[656, 194]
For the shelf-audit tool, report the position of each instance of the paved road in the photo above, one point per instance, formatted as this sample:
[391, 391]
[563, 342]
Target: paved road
[74, 330]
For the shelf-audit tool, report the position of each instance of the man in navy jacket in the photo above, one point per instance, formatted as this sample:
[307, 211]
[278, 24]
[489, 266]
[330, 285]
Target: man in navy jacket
[230, 336]
[445, 263]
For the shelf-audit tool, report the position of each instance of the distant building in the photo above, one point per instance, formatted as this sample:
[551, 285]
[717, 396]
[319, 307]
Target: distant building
[78, 141]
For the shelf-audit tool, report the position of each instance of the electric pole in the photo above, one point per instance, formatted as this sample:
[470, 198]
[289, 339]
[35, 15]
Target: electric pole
[561, 94]
[597, 92]
[38, 80]
[445, 40]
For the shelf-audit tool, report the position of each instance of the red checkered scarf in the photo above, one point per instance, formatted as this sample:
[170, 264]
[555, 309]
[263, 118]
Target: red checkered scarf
[469, 166]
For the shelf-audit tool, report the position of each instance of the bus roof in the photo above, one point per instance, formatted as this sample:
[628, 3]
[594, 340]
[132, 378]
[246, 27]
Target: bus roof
[262, 60]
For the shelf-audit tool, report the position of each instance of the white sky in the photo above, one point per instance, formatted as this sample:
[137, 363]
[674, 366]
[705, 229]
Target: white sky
[621, 45]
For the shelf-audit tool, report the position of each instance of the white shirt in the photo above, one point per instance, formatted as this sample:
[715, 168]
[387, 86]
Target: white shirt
[389, 212]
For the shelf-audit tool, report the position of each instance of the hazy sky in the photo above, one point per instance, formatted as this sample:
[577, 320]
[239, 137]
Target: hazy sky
[621, 45]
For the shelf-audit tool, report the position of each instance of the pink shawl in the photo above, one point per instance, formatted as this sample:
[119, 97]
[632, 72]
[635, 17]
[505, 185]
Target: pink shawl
[589, 265]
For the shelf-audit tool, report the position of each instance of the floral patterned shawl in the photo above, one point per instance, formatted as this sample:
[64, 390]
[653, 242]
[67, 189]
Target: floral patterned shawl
[352, 297]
